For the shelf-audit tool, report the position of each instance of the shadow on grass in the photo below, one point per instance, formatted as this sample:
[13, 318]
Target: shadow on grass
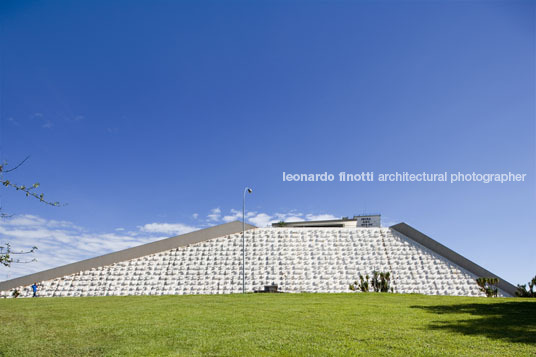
[509, 321]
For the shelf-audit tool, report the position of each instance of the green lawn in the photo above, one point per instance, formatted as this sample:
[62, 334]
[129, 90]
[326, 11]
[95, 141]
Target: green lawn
[268, 324]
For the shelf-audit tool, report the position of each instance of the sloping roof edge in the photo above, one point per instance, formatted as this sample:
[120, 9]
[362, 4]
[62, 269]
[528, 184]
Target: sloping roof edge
[128, 254]
[451, 255]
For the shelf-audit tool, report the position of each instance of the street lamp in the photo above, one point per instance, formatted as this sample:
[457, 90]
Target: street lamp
[246, 190]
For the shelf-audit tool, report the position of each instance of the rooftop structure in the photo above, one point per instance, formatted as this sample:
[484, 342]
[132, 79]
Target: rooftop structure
[357, 221]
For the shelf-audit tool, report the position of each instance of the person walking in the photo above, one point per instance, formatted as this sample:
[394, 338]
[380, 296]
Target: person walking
[34, 288]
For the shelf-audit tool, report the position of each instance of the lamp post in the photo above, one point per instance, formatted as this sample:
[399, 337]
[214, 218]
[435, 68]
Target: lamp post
[246, 190]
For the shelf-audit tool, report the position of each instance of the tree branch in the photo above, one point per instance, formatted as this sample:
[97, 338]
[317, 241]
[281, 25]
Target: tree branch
[6, 259]
[16, 167]
[28, 191]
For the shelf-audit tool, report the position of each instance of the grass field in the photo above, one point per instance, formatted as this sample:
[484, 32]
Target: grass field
[268, 324]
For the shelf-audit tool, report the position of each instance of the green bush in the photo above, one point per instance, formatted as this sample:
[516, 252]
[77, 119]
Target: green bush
[522, 290]
[487, 285]
[380, 282]
[363, 285]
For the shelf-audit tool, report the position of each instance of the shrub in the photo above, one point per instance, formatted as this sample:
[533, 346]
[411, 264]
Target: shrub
[362, 285]
[487, 285]
[380, 282]
[375, 282]
[385, 281]
[522, 289]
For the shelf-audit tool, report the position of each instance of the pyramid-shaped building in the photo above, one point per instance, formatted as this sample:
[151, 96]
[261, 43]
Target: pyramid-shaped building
[321, 256]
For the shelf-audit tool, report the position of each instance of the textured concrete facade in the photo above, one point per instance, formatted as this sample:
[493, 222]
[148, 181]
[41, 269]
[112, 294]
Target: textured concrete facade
[127, 254]
[295, 259]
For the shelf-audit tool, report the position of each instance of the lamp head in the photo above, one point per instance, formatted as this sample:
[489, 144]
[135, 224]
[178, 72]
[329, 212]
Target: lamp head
[250, 190]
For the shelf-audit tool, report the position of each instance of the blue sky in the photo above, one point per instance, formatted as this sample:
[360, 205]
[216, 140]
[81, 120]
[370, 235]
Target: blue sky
[149, 118]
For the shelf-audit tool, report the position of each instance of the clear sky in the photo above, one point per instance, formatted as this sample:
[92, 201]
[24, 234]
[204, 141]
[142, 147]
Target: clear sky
[149, 118]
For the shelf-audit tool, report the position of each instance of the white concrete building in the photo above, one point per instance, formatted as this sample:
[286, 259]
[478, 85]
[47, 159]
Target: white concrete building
[315, 258]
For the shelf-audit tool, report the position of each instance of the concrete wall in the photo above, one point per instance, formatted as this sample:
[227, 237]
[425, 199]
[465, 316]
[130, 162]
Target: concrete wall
[451, 255]
[127, 254]
[296, 259]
